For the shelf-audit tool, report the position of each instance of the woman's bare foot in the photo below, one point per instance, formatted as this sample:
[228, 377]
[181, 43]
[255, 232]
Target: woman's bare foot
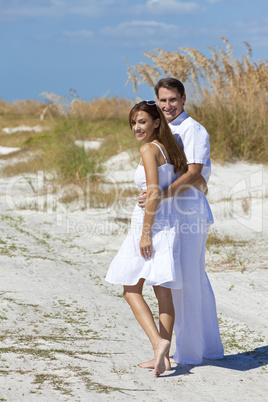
[151, 363]
[148, 365]
[160, 352]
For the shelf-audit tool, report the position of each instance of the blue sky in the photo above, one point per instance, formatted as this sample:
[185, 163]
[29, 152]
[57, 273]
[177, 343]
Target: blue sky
[55, 45]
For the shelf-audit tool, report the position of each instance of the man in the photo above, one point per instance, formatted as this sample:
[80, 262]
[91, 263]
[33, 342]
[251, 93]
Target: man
[196, 324]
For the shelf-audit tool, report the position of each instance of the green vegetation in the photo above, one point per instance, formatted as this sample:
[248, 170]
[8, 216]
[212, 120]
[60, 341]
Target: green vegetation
[54, 150]
[64, 122]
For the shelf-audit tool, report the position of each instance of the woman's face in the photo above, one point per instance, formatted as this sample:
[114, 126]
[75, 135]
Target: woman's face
[143, 126]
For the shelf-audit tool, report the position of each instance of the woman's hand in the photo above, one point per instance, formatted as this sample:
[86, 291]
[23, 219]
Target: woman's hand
[142, 198]
[201, 185]
[146, 246]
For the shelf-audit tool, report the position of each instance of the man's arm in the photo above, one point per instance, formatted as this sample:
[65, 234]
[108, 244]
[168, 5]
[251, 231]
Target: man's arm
[188, 179]
[184, 182]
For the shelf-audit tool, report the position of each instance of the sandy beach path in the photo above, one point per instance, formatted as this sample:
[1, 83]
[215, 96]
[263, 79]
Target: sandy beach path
[66, 335]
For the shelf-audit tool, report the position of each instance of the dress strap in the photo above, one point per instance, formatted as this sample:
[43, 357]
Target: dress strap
[161, 150]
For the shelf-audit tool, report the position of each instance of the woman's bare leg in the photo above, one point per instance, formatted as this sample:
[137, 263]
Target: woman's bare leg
[166, 311]
[166, 321]
[143, 314]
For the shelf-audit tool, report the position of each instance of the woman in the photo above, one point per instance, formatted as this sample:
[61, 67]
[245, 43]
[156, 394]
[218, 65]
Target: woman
[148, 252]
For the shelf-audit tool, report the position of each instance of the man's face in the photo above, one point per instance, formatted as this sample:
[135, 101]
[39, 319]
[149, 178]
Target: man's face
[171, 103]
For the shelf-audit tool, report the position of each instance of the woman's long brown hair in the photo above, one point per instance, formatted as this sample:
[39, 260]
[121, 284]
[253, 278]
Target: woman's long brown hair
[163, 134]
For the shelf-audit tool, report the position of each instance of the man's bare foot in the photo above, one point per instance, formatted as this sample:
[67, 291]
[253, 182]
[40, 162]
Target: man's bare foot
[160, 352]
[151, 363]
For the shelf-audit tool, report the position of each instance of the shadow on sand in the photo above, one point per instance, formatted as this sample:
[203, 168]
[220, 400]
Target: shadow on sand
[241, 361]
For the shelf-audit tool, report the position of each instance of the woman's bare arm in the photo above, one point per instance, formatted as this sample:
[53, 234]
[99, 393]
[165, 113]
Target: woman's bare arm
[149, 154]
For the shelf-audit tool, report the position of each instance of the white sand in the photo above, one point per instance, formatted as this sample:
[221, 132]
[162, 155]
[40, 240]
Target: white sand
[66, 335]
[7, 150]
[87, 145]
[12, 130]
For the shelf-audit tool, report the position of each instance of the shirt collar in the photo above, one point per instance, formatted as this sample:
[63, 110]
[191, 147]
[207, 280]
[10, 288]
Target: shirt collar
[179, 119]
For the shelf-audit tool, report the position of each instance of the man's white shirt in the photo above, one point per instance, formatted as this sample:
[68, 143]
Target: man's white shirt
[194, 140]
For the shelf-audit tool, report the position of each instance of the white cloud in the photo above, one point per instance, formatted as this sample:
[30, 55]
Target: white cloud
[213, 1]
[172, 6]
[10, 9]
[145, 34]
[141, 29]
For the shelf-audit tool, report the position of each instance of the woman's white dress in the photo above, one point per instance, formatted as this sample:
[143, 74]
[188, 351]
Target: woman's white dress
[128, 266]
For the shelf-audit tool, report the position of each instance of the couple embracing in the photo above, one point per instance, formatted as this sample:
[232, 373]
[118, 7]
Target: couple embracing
[165, 247]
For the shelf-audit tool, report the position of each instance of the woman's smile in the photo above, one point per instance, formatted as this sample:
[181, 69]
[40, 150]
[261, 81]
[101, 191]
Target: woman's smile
[144, 126]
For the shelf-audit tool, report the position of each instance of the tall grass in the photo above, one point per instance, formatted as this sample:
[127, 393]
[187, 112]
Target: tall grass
[74, 164]
[228, 96]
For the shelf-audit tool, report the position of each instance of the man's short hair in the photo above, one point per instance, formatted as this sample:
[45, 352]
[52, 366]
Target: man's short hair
[170, 83]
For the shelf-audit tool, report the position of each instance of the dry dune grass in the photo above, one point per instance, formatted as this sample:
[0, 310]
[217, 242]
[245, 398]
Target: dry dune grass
[58, 106]
[228, 96]
[74, 107]
[103, 108]
[21, 107]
